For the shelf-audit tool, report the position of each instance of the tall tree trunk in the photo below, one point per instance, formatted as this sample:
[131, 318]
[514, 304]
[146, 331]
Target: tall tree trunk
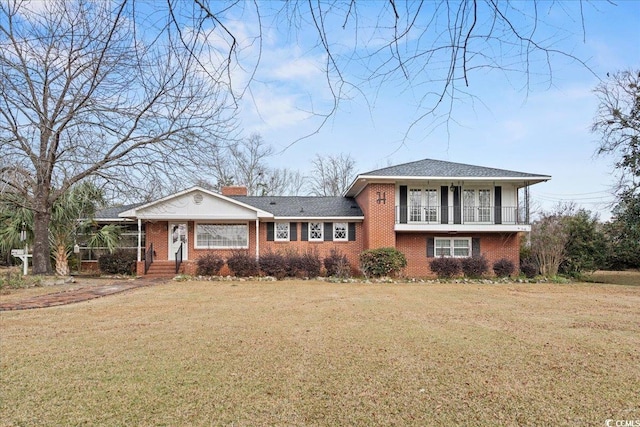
[41, 248]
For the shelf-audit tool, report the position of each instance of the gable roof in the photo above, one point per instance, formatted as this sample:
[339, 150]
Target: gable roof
[195, 203]
[304, 206]
[440, 169]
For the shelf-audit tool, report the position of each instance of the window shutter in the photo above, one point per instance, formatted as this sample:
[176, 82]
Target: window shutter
[270, 227]
[457, 208]
[304, 231]
[430, 247]
[352, 231]
[475, 246]
[444, 204]
[403, 204]
[293, 231]
[328, 231]
[497, 194]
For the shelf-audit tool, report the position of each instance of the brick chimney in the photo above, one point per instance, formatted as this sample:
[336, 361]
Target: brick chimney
[234, 190]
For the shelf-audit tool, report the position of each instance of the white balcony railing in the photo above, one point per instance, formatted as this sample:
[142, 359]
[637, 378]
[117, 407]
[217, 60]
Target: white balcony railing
[436, 214]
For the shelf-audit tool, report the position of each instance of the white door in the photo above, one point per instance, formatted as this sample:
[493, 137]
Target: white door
[177, 236]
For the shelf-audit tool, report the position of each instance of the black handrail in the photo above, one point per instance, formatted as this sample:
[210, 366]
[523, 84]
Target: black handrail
[148, 258]
[179, 258]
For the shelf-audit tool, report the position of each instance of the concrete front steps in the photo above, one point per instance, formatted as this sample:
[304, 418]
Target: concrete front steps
[162, 269]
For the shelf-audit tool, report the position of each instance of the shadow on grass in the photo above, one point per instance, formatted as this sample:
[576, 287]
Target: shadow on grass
[629, 277]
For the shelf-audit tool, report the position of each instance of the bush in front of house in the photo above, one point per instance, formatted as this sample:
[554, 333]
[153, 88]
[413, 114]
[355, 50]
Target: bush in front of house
[274, 264]
[382, 262]
[337, 264]
[118, 262]
[242, 264]
[503, 267]
[529, 268]
[474, 267]
[445, 268]
[307, 264]
[209, 265]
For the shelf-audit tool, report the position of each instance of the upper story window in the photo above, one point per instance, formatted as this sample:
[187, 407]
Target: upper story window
[340, 231]
[316, 231]
[476, 205]
[423, 205]
[282, 231]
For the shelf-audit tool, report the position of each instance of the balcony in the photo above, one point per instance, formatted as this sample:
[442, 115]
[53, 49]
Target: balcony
[460, 218]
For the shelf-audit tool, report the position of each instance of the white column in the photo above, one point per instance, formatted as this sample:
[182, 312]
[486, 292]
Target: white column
[257, 238]
[139, 239]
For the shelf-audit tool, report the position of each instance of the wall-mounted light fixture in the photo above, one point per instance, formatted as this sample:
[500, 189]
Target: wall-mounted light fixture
[452, 188]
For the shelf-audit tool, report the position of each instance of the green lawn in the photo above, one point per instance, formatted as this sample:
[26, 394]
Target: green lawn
[314, 353]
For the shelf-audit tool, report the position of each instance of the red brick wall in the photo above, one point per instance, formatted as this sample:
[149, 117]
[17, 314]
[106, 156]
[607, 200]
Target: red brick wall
[350, 249]
[379, 218]
[493, 246]
[234, 190]
[157, 233]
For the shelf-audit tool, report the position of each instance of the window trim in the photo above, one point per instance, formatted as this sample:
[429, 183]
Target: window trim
[316, 239]
[196, 244]
[452, 247]
[346, 232]
[275, 231]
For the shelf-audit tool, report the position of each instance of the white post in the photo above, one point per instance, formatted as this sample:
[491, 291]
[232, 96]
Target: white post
[257, 239]
[139, 240]
[25, 259]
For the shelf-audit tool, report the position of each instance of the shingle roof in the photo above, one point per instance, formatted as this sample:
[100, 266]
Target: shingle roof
[440, 168]
[303, 206]
[113, 211]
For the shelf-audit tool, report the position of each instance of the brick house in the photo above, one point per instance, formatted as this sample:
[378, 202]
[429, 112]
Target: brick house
[425, 209]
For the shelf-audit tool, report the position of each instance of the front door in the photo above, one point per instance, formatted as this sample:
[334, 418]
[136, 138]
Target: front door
[178, 236]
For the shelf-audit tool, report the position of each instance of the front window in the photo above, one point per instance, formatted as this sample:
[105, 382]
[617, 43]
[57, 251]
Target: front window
[423, 205]
[316, 231]
[282, 231]
[222, 236]
[339, 231]
[458, 248]
[476, 205]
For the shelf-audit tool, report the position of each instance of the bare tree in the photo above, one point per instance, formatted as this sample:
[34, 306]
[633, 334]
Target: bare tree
[85, 93]
[331, 175]
[618, 124]
[436, 50]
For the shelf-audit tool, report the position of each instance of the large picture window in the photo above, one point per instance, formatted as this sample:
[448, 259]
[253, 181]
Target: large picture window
[457, 248]
[222, 236]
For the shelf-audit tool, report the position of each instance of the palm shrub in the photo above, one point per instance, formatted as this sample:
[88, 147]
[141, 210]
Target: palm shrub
[209, 265]
[475, 266]
[445, 268]
[382, 262]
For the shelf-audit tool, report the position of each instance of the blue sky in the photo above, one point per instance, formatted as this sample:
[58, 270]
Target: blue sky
[544, 128]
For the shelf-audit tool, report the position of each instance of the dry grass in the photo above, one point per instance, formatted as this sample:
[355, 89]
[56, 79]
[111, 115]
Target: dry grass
[631, 277]
[312, 353]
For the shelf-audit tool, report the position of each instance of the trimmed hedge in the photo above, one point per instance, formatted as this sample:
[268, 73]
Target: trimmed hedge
[503, 267]
[529, 268]
[445, 268]
[474, 267]
[242, 264]
[118, 262]
[209, 265]
[382, 262]
[337, 264]
[274, 264]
